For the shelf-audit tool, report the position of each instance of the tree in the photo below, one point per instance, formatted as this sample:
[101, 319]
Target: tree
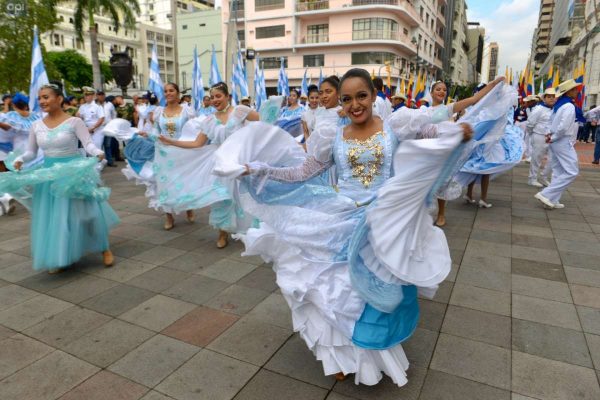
[121, 12]
[16, 39]
[71, 66]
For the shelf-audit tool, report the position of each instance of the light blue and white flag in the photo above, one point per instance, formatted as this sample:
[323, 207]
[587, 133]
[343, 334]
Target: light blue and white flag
[304, 89]
[215, 76]
[257, 84]
[541, 86]
[239, 74]
[155, 83]
[39, 77]
[197, 83]
[283, 87]
[320, 77]
[263, 85]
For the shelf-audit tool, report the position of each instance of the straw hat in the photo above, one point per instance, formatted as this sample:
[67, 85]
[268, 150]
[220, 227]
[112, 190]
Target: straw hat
[566, 86]
[399, 96]
[549, 92]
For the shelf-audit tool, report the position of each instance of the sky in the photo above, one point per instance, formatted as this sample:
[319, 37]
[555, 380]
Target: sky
[510, 23]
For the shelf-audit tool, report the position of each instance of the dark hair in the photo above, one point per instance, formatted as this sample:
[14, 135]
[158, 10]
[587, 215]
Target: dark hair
[295, 91]
[437, 83]
[333, 81]
[185, 96]
[312, 88]
[377, 82]
[174, 85]
[361, 74]
[55, 86]
[221, 87]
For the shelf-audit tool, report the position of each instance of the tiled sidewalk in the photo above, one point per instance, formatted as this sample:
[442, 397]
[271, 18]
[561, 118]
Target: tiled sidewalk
[518, 318]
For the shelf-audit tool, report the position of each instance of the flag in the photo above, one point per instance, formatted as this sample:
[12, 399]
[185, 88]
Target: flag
[197, 83]
[257, 83]
[509, 80]
[320, 77]
[515, 82]
[215, 76]
[39, 77]
[579, 77]
[506, 75]
[541, 86]
[402, 88]
[420, 87]
[155, 84]
[304, 89]
[283, 87]
[409, 95]
[415, 87]
[239, 74]
[263, 84]
[530, 84]
[549, 82]
[235, 98]
[556, 79]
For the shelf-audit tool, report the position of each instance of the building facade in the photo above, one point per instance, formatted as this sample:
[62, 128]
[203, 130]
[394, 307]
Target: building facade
[475, 42]
[541, 37]
[159, 13]
[492, 70]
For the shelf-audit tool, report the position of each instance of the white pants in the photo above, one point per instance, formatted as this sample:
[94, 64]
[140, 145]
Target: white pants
[539, 149]
[98, 138]
[565, 168]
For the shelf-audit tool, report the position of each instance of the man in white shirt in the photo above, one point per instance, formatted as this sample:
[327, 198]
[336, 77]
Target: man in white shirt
[382, 106]
[93, 116]
[538, 126]
[563, 133]
[109, 114]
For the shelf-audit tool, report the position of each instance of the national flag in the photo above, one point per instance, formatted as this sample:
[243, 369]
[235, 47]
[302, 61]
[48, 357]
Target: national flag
[257, 83]
[541, 92]
[235, 98]
[155, 83]
[39, 77]
[579, 78]
[320, 77]
[530, 84]
[410, 87]
[239, 74]
[283, 87]
[215, 75]
[197, 83]
[556, 79]
[549, 82]
[402, 87]
[304, 87]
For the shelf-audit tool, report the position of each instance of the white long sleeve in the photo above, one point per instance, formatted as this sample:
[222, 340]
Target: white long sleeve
[562, 122]
[407, 124]
[85, 138]
[532, 120]
[32, 148]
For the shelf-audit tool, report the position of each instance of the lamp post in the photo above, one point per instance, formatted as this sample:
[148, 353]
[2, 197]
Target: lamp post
[122, 69]
[418, 44]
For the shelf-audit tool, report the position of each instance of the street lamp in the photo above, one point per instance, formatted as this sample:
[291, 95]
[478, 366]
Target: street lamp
[121, 66]
[418, 44]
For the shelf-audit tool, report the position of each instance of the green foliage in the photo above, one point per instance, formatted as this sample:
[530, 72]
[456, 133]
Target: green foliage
[106, 71]
[71, 66]
[16, 40]
[121, 12]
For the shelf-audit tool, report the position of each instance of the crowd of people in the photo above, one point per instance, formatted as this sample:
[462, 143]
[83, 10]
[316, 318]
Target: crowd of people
[337, 187]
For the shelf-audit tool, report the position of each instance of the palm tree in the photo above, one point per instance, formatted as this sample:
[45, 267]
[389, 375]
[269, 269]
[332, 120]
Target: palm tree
[122, 13]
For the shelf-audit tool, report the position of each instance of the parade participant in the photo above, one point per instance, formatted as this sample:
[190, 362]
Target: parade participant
[206, 108]
[562, 136]
[70, 215]
[109, 114]
[290, 118]
[349, 262]
[538, 126]
[309, 116]
[383, 107]
[439, 92]
[93, 116]
[245, 101]
[187, 99]
[398, 101]
[123, 109]
[7, 103]
[70, 105]
[145, 112]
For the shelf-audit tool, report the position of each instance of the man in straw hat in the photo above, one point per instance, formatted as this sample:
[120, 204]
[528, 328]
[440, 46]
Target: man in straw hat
[538, 125]
[563, 131]
[398, 101]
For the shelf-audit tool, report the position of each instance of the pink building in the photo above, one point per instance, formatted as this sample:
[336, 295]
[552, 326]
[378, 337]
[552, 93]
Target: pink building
[337, 35]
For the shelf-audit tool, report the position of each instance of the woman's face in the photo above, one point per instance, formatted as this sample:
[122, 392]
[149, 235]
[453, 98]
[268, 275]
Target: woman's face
[357, 100]
[171, 94]
[293, 98]
[313, 99]
[49, 101]
[328, 95]
[439, 93]
[219, 99]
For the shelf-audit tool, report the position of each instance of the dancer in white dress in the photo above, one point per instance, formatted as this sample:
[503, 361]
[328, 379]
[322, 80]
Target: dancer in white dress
[538, 126]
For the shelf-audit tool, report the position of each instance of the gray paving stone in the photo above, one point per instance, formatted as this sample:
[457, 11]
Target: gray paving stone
[481, 299]
[157, 312]
[550, 342]
[158, 279]
[108, 343]
[593, 342]
[197, 289]
[385, 389]
[191, 262]
[268, 385]
[228, 270]
[262, 278]
[337, 396]
[547, 379]
[590, 319]
[32, 311]
[583, 276]
[48, 378]
[493, 280]
[441, 386]
[47, 282]
[491, 236]
[524, 229]
[443, 293]
[534, 241]
[575, 246]
[545, 312]
[570, 226]
[18, 272]
[542, 288]
[208, 375]
[237, 299]
[578, 236]
[576, 260]
[153, 395]
[130, 248]
[67, 326]
[478, 325]
[158, 237]
[294, 359]
[18, 351]
[82, 289]
[117, 300]
[419, 347]
[432, 315]
[488, 263]
[535, 269]
[8, 259]
[586, 296]
[273, 310]
[11, 295]
[533, 254]
[15, 243]
[472, 360]
[154, 360]
[251, 341]
[158, 255]
[123, 270]
[483, 248]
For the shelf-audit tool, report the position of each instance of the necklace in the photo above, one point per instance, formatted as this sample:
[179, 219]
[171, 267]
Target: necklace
[224, 110]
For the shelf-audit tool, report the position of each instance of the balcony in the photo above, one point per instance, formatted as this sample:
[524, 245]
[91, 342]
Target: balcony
[303, 6]
[375, 35]
[357, 3]
[315, 38]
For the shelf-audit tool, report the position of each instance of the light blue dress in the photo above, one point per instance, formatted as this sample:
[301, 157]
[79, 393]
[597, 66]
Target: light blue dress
[70, 215]
[291, 120]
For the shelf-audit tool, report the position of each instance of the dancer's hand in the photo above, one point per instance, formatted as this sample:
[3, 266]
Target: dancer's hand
[165, 140]
[499, 79]
[467, 132]
[341, 113]
[18, 165]
[143, 134]
[100, 156]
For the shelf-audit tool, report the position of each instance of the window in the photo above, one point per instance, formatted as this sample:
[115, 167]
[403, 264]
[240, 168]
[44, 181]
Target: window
[421, 12]
[150, 35]
[263, 5]
[79, 44]
[374, 28]
[314, 60]
[241, 34]
[266, 32]
[274, 62]
[70, 20]
[58, 40]
[405, 31]
[61, 18]
[159, 37]
[150, 6]
[184, 27]
[317, 33]
[100, 47]
[372, 57]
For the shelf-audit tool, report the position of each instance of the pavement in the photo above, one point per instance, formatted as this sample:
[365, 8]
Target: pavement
[176, 318]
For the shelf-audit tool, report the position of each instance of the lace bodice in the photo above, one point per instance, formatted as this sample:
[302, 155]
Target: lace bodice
[172, 125]
[217, 132]
[60, 141]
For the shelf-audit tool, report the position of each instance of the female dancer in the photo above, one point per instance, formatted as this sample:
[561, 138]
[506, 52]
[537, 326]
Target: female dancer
[348, 263]
[309, 116]
[145, 112]
[70, 215]
[214, 129]
[290, 119]
[438, 94]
